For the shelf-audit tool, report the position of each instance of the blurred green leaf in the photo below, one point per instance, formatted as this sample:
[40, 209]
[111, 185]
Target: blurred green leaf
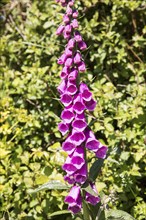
[51, 185]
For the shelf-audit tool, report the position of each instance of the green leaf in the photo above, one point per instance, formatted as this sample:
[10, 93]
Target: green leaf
[95, 169]
[90, 190]
[85, 211]
[63, 212]
[117, 215]
[52, 185]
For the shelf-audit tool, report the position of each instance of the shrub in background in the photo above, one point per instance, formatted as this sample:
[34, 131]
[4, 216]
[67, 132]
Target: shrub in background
[29, 75]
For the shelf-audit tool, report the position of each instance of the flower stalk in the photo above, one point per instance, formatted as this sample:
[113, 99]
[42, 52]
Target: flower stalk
[76, 99]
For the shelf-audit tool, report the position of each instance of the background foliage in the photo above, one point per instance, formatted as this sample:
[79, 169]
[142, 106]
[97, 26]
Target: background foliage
[30, 144]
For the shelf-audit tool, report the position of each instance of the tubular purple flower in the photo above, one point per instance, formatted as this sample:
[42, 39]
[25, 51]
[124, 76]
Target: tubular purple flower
[71, 88]
[64, 72]
[66, 19]
[81, 66]
[70, 179]
[77, 58]
[77, 37]
[76, 98]
[62, 87]
[79, 124]
[68, 146]
[69, 10]
[92, 144]
[68, 52]
[82, 45]
[74, 199]
[62, 59]
[66, 99]
[77, 137]
[71, 43]
[93, 200]
[74, 23]
[71, 3]
[69, 62]
[67, 116]
[101, 152]
[60, 30]
[84, 90]
[73, 75]
[66, 35]
[63, 128]
[78, 105]
[68, 166]
[75, 14]
[90, 105]
[81, 175]
[68, 28]
[80, 116]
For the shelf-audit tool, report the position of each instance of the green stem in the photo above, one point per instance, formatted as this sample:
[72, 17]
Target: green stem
[86, 215]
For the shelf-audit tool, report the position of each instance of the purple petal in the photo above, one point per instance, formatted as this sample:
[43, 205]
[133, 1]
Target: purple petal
[82, 45]
[69, 11]
[81, 66]
[67, 116]
[93, 200]
[69, 179]
[62, 87]
[81, 175]
[71, 3]
[73, 75]
[77, 37]
[73, 195]
[62, 59]
[71, 43]
[79, 107]
[66, 35]
[68, 146]
[75, 14]
[60, 30]
[68, 166]
[64, 72]
[80, 116]
[84, 90]
[90, 105]
[79, 124]
[63, 128]
[74, 208]
[78, 162]
[77, 138]
[71, 88]
[101, 152]
[77, 58]
[74, 23]
[68, 28]
[66, 19]
[89, 134]
[68, 52]
[92, 144]
[66, 99]
[69, 62]
[86, 95]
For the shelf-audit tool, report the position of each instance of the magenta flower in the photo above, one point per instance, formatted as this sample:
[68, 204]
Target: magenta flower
[77, 58]
[82, 45]
[74, 199]
[76, 98]
[60, 30]
[63, 127]
[93, 200]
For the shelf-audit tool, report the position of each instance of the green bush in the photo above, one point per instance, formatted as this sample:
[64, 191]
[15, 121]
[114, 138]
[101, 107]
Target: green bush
[30, 144]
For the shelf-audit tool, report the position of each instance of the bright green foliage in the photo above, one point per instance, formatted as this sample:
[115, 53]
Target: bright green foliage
[30, 144]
